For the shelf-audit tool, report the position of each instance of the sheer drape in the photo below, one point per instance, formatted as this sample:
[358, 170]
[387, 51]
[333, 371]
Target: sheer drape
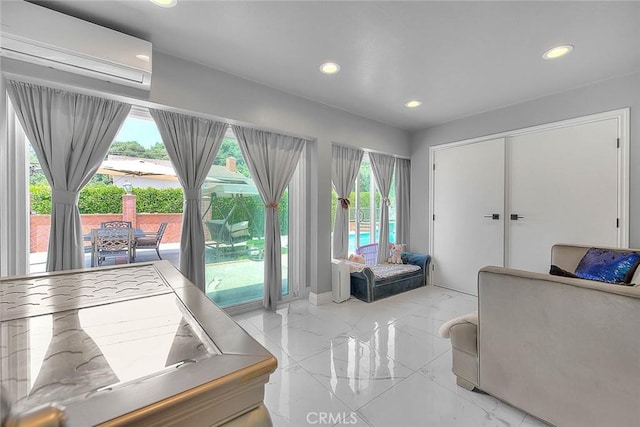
[345, 165]
[70, 133]
[192, 144]
[382, 168]
[271, 159]
[403, 203]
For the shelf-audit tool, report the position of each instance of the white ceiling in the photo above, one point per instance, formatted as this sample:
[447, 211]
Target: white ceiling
[459, 58]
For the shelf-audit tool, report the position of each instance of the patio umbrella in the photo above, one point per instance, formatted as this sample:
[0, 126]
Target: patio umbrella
[137, 167]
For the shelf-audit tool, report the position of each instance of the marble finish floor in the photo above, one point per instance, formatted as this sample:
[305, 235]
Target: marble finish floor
[379, 365]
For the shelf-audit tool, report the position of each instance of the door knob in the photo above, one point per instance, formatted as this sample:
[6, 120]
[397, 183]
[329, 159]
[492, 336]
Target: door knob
[493, 216]
[515, 217]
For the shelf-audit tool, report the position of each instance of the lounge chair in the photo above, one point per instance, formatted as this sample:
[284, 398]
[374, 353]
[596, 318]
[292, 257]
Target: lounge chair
[228, 236]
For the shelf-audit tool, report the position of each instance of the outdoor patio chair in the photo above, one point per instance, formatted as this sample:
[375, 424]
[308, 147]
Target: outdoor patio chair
[150, 241]
[115, 224]
[111, 242]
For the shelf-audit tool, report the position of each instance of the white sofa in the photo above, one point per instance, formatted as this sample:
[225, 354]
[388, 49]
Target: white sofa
[565, 350]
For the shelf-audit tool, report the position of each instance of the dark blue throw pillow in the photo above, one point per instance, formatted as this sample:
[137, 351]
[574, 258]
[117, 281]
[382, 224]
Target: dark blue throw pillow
[608, 266]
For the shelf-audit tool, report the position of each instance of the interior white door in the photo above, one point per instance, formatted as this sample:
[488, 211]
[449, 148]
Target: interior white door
[468, 191]
[562, 187]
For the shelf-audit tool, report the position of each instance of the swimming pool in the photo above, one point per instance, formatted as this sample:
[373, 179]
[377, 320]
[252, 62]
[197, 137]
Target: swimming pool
[365, 238]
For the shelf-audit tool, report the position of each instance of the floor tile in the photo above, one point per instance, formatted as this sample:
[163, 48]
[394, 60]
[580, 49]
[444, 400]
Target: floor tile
[294, 398]
[433, 316]
[417, 401]
[377, 364]
[355, 372]
[302, 343]
[407, 344]
[439, 371]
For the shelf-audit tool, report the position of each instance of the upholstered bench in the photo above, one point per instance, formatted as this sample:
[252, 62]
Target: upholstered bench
[370, 283]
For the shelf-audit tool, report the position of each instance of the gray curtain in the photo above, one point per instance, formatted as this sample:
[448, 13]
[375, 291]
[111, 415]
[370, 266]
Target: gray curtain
[345, 165]
[271, 159]
[403, 204]
[192, 144]
[71, 134]
[382, 168]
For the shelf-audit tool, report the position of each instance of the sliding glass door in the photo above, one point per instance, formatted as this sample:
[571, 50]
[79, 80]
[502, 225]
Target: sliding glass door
[233, 220]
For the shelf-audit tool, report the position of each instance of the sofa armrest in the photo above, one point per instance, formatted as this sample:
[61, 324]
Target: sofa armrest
[421, 260]
[366, 274]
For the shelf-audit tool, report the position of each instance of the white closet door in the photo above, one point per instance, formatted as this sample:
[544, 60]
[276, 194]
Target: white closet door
[468, 190]
[563, 185]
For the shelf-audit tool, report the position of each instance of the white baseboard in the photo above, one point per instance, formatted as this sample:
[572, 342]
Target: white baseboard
[320, 299]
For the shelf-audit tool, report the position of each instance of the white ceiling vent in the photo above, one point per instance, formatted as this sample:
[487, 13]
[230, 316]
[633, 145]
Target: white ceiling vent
[35, 34]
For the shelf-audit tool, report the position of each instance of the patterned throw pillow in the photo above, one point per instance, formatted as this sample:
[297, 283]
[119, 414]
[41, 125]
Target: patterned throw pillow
[608, 266]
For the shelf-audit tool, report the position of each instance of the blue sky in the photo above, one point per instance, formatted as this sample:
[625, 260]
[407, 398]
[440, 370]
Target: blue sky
[143, 131]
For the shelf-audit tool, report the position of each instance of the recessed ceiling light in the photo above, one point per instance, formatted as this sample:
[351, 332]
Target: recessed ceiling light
[413, 104]
[329, 68]
[143, 57]
[558, 51]
[164, 3]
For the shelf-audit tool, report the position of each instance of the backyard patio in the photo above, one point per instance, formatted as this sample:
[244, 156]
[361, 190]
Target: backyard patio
[227, 282]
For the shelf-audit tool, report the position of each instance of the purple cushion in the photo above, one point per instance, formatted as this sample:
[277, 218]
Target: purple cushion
[608, 266]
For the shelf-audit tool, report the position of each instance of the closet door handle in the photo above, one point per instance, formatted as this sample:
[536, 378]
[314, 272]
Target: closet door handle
[515, 217]
[493, 216]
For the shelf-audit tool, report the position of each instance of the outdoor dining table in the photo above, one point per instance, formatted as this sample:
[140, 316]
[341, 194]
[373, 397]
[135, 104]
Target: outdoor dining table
[138, 232]
[87, 237]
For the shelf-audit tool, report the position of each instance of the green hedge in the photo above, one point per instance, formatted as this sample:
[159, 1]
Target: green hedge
[100, 199]
[155, 200]
[40, 199]
[106, 199]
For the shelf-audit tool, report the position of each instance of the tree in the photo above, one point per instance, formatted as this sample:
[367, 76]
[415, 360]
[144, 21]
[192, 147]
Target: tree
[230, 148]
[364, 176]
[157, 151]
[128, 148]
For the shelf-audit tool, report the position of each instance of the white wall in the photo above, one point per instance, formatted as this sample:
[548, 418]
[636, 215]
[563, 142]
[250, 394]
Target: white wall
[190, 87]
[604, 96]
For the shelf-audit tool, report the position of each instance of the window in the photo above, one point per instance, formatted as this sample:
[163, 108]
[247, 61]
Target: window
[229, 199]
[138, 158]
[364, 220]
[233, 219]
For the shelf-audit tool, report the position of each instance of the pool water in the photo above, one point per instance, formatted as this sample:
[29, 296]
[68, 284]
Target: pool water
[365, 238]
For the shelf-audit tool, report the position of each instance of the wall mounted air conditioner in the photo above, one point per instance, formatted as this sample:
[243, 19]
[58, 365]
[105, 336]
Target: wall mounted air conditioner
[35, 34]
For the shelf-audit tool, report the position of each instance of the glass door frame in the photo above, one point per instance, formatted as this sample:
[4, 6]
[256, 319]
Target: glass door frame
[14, 200]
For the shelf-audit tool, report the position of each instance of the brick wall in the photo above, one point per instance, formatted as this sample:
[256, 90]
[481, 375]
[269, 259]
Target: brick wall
[151, 222]
[40, 226]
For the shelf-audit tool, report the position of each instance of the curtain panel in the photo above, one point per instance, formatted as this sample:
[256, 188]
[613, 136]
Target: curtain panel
[345, 165]
[192, 144]
[382, 168]
[403, 203]
[70, 134]
[271, 159]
